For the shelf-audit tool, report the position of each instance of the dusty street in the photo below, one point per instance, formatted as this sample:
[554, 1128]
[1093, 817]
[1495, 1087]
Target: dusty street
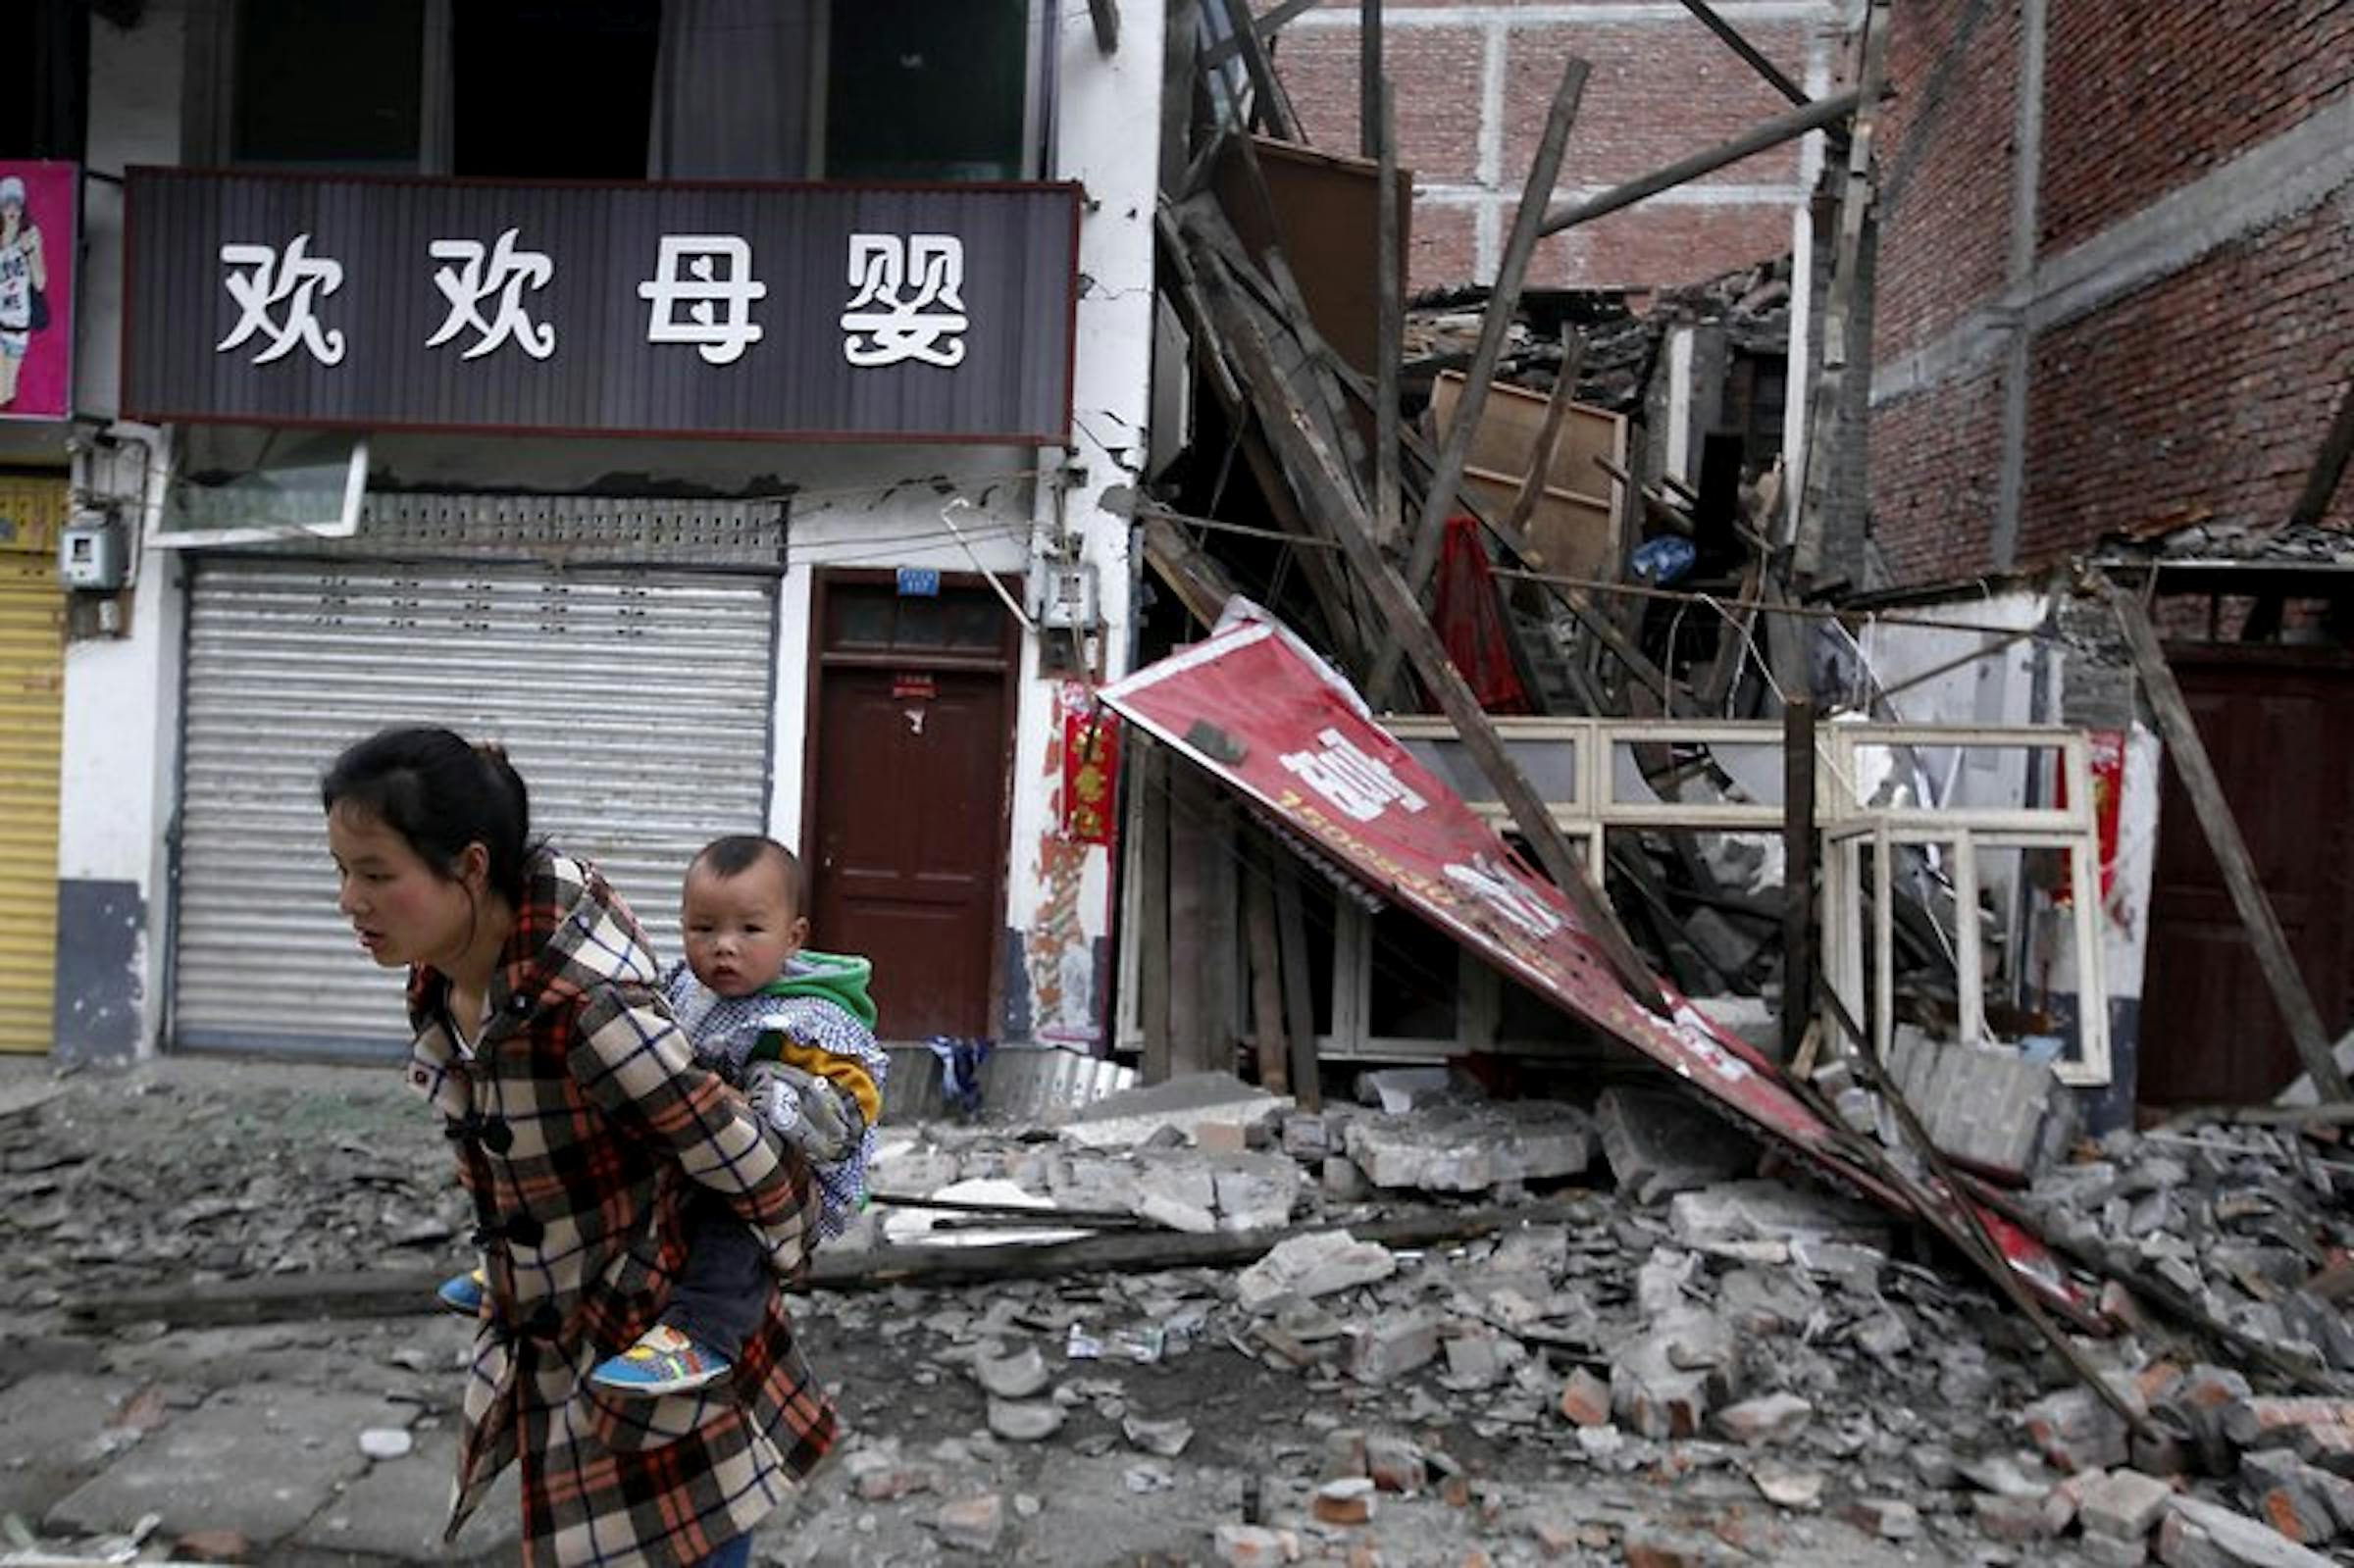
[1739, 1375]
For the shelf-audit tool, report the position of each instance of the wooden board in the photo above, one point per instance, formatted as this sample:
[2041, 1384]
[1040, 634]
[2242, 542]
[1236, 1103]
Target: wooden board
[1575, 524]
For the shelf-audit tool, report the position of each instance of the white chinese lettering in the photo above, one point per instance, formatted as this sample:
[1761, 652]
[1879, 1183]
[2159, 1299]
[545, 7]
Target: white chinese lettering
[702, 272]
[295, 281]
[507, 273]
[1360, 785]
[1506, 895]
[908, 301]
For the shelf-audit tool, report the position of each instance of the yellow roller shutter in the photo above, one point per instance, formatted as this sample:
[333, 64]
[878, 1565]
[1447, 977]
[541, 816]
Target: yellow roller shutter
[32, 721]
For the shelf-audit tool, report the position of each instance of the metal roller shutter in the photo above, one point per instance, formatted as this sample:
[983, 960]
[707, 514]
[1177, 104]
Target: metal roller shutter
[31, 717]
[635, 702]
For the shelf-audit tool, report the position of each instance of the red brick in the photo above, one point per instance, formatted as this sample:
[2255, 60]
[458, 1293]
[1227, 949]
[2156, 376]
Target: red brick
[1657, 93]
[1440, 74]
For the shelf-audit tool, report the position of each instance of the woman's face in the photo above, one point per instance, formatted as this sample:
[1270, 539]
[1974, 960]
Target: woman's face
[402, 909]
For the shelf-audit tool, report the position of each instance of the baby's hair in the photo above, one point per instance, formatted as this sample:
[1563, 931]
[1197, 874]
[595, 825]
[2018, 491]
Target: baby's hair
[739, 852]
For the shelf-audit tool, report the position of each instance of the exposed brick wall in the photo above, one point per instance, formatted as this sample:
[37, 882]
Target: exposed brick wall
[1945, 162]
[1655, 92]
[2200, 395]
[1658, 89]
[2203, 397]
[1439, 73]
[1636, 249]
[1935, 460]
[2148, 95]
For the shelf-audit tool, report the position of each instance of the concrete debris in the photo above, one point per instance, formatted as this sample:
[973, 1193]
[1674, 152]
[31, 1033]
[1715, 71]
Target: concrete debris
[1454, 1146]
[1746, 1375]
[1133, 1116]
[1658, 1144]
[1305, 1267]
[1989, 1108]
[1025, 1420]
[2239, 1221]
[976, 1524]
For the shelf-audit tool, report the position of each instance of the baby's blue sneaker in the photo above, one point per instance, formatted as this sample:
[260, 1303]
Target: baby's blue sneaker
[662, 1361]
[464, 1293]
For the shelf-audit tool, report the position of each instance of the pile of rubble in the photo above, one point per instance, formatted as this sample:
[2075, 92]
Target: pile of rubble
[1623, 344]
[1698, 1319]
[152, 1182]
[2250, 1224]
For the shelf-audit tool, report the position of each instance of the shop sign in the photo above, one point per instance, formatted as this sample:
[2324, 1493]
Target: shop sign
[789, 312]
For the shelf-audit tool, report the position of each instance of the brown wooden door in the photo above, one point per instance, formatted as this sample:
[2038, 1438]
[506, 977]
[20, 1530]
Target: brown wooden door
[2279, 724]
[907, 818]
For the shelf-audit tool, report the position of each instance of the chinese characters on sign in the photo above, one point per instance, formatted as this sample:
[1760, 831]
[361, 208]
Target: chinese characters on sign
[909, 302]
[722, 310]
[263, 281]
[907, 305]
[466, 287]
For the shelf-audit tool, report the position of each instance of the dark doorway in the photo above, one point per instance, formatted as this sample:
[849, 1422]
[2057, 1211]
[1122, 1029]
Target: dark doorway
[907, 818]
[2279, 724]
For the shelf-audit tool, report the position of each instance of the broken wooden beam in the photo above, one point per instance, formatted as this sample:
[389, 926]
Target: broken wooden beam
[1389, 506]
[2196, 770]
[1504, 300]
[407, 1292]
[1730, 36]
[1826, 415]
[1323, 490]
[2328, 466]
[1105, 16]
[1265, 27]
[1818, 116]
[1268, 102]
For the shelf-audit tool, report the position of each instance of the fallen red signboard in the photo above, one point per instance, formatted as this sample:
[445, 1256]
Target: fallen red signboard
[1274, 722]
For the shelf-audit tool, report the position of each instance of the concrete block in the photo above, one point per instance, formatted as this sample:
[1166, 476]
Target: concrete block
[2124, 1503]
[1658, 1144]
[1393, 1345]
[2217, 1535]
[2075, 1431]
[1309, 1266]
[1769, 1211]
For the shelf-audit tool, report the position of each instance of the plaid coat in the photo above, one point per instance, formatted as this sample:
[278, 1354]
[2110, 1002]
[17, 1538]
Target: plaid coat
[578, 1121]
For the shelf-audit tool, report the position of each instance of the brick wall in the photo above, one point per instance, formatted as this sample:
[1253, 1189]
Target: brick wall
[1935, 460]
[1474, 82]
[2147, 94]
[2201, 398]
[1945, 165]
[2198, 392]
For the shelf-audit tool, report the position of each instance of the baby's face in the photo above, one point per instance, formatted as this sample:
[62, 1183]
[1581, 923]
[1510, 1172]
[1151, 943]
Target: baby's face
[740, 931]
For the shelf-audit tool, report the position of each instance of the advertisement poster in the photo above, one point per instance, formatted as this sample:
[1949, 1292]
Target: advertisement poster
[40, 206]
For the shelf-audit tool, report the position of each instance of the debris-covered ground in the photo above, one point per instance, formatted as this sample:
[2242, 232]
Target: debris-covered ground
[1654, 1355]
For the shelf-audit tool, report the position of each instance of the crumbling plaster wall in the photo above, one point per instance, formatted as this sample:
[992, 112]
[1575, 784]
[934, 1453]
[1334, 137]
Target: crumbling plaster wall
[2114, 242]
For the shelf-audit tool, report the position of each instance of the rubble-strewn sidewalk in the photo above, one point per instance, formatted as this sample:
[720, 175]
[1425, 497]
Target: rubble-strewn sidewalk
[1737, 1368]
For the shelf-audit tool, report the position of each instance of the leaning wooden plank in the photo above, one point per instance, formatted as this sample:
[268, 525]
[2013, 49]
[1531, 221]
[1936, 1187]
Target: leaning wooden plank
[1731, 37]
[1770, 133]
[1190, 1020]
[1411, 629]
[1151, 781]
[1265, 27]
[1268, 98]
[1265, 951]
[1496, 320]
[1389, 525]
[2197, 772]
[1298, 969]
[399, 1292]
[1190, 571]
[2329, 467]
[1826, 414]
[1548, 433]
